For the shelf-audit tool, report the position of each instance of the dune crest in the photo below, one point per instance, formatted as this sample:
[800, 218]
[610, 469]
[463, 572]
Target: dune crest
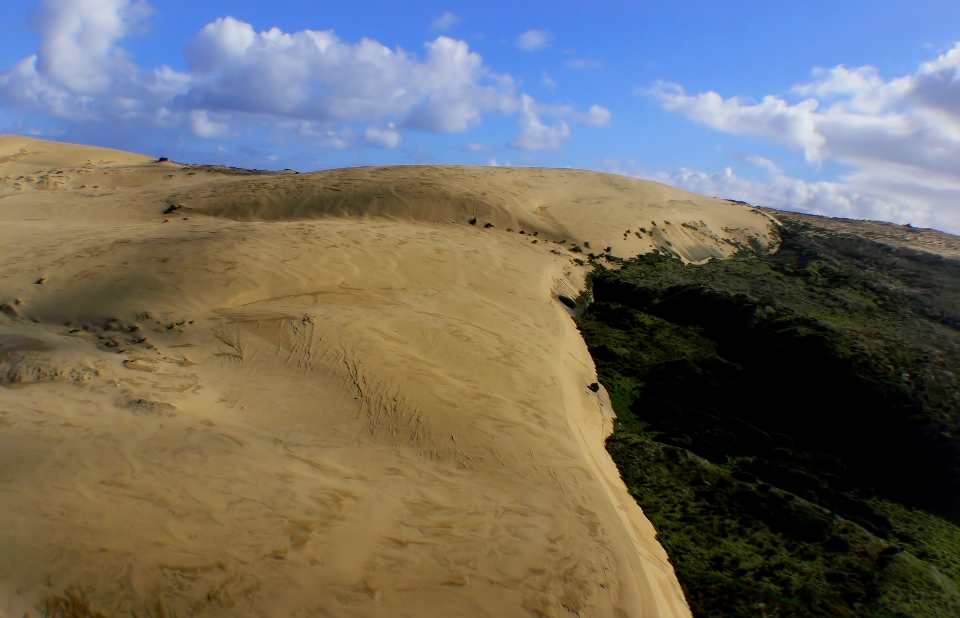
[332, 394]
[627, 215]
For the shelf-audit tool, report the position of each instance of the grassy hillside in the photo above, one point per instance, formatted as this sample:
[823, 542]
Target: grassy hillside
[790, 422]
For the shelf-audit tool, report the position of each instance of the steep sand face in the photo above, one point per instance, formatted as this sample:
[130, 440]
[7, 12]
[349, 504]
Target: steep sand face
[318, 394]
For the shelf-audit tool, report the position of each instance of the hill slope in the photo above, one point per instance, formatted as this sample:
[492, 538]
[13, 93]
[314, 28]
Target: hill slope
[230, 393]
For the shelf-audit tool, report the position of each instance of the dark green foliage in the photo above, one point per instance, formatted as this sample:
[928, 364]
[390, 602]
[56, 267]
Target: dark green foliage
[772, 397]
[748, 549]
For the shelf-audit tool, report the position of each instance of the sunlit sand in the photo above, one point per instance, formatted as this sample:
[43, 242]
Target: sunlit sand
[346, 393]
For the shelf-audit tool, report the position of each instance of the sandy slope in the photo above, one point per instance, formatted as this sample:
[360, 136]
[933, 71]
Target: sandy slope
[318, 394]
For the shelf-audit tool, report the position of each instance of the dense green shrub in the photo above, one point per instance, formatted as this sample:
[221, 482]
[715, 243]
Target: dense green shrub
[787, 419]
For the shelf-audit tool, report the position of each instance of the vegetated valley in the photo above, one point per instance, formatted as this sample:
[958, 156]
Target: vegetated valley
[789, 421]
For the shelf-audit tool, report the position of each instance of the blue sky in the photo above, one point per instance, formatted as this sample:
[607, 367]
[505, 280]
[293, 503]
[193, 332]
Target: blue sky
[842, 108]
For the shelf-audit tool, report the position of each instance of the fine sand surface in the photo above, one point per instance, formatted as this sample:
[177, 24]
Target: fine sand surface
[320, 394]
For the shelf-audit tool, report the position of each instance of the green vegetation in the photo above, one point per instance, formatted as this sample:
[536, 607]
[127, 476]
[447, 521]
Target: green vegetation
[787, 421]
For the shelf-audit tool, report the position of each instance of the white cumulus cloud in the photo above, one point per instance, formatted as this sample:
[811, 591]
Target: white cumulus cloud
[387, 137]
[850, 198]
[899, 138]
[80, 73]
[534, 134]
[316, 76]
[778, 190]
[203, 126]
[772, 117]
[596, 116]
[310, 83]
[78, 42]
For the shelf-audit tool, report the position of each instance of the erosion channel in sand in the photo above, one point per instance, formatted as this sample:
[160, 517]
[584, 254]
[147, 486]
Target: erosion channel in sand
[345, 393]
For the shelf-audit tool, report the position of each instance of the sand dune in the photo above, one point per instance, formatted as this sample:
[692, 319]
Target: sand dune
[324, 394]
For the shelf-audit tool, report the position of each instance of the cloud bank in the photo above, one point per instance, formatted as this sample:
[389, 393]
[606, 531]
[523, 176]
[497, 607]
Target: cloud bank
[309, 83]
[899, 139]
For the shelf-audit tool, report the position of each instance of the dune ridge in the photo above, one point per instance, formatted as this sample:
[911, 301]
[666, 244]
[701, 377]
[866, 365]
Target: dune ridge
[328, 394]
[556, 203]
